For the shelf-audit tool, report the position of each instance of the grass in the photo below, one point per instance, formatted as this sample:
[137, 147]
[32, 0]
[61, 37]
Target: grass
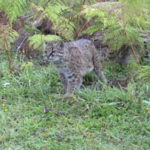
[34, 115]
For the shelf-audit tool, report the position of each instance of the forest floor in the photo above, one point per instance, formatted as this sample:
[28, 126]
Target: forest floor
[34, 115]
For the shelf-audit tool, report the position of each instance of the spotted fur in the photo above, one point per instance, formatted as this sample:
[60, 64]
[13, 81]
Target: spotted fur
[74, 60]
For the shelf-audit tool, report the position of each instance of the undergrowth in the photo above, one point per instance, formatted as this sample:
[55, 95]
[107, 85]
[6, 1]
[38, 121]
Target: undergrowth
[34, 114]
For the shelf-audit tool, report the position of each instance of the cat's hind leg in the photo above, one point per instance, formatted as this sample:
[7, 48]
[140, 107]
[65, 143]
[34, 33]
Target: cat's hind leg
[97, 69]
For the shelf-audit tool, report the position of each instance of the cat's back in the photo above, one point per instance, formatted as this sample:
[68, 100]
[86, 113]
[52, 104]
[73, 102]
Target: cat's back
[81, 44]
[80, 55]
[83, 47]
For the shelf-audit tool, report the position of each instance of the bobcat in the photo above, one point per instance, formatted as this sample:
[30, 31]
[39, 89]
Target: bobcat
[74, 60]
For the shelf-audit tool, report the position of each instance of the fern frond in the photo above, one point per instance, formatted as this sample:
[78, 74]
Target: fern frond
[7, 36]
[121, 21]
[61, 24]
[116, 36]
[93, 29]
[37, 40]
[13, 8]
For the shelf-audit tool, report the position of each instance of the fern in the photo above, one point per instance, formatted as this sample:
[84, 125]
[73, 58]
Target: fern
[116, 36]
[7, 36]
[93, 29]
[62, 25]
[54, 11]
[37, 40]
[122, 22]
[13, 8]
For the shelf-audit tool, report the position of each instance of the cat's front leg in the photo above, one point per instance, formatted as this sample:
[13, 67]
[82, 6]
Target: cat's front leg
[64, 81]
[74, 81]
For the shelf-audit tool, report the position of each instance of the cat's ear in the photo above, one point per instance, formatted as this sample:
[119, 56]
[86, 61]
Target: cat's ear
[46, 42]
[61, 44]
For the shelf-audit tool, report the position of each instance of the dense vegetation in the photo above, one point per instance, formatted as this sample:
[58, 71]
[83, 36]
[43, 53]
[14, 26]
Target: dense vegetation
[34, 114]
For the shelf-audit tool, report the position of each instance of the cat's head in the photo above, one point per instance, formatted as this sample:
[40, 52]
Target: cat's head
[53, 51]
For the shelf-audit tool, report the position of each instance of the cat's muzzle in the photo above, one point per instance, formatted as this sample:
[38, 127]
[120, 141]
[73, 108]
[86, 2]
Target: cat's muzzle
[45, 59]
